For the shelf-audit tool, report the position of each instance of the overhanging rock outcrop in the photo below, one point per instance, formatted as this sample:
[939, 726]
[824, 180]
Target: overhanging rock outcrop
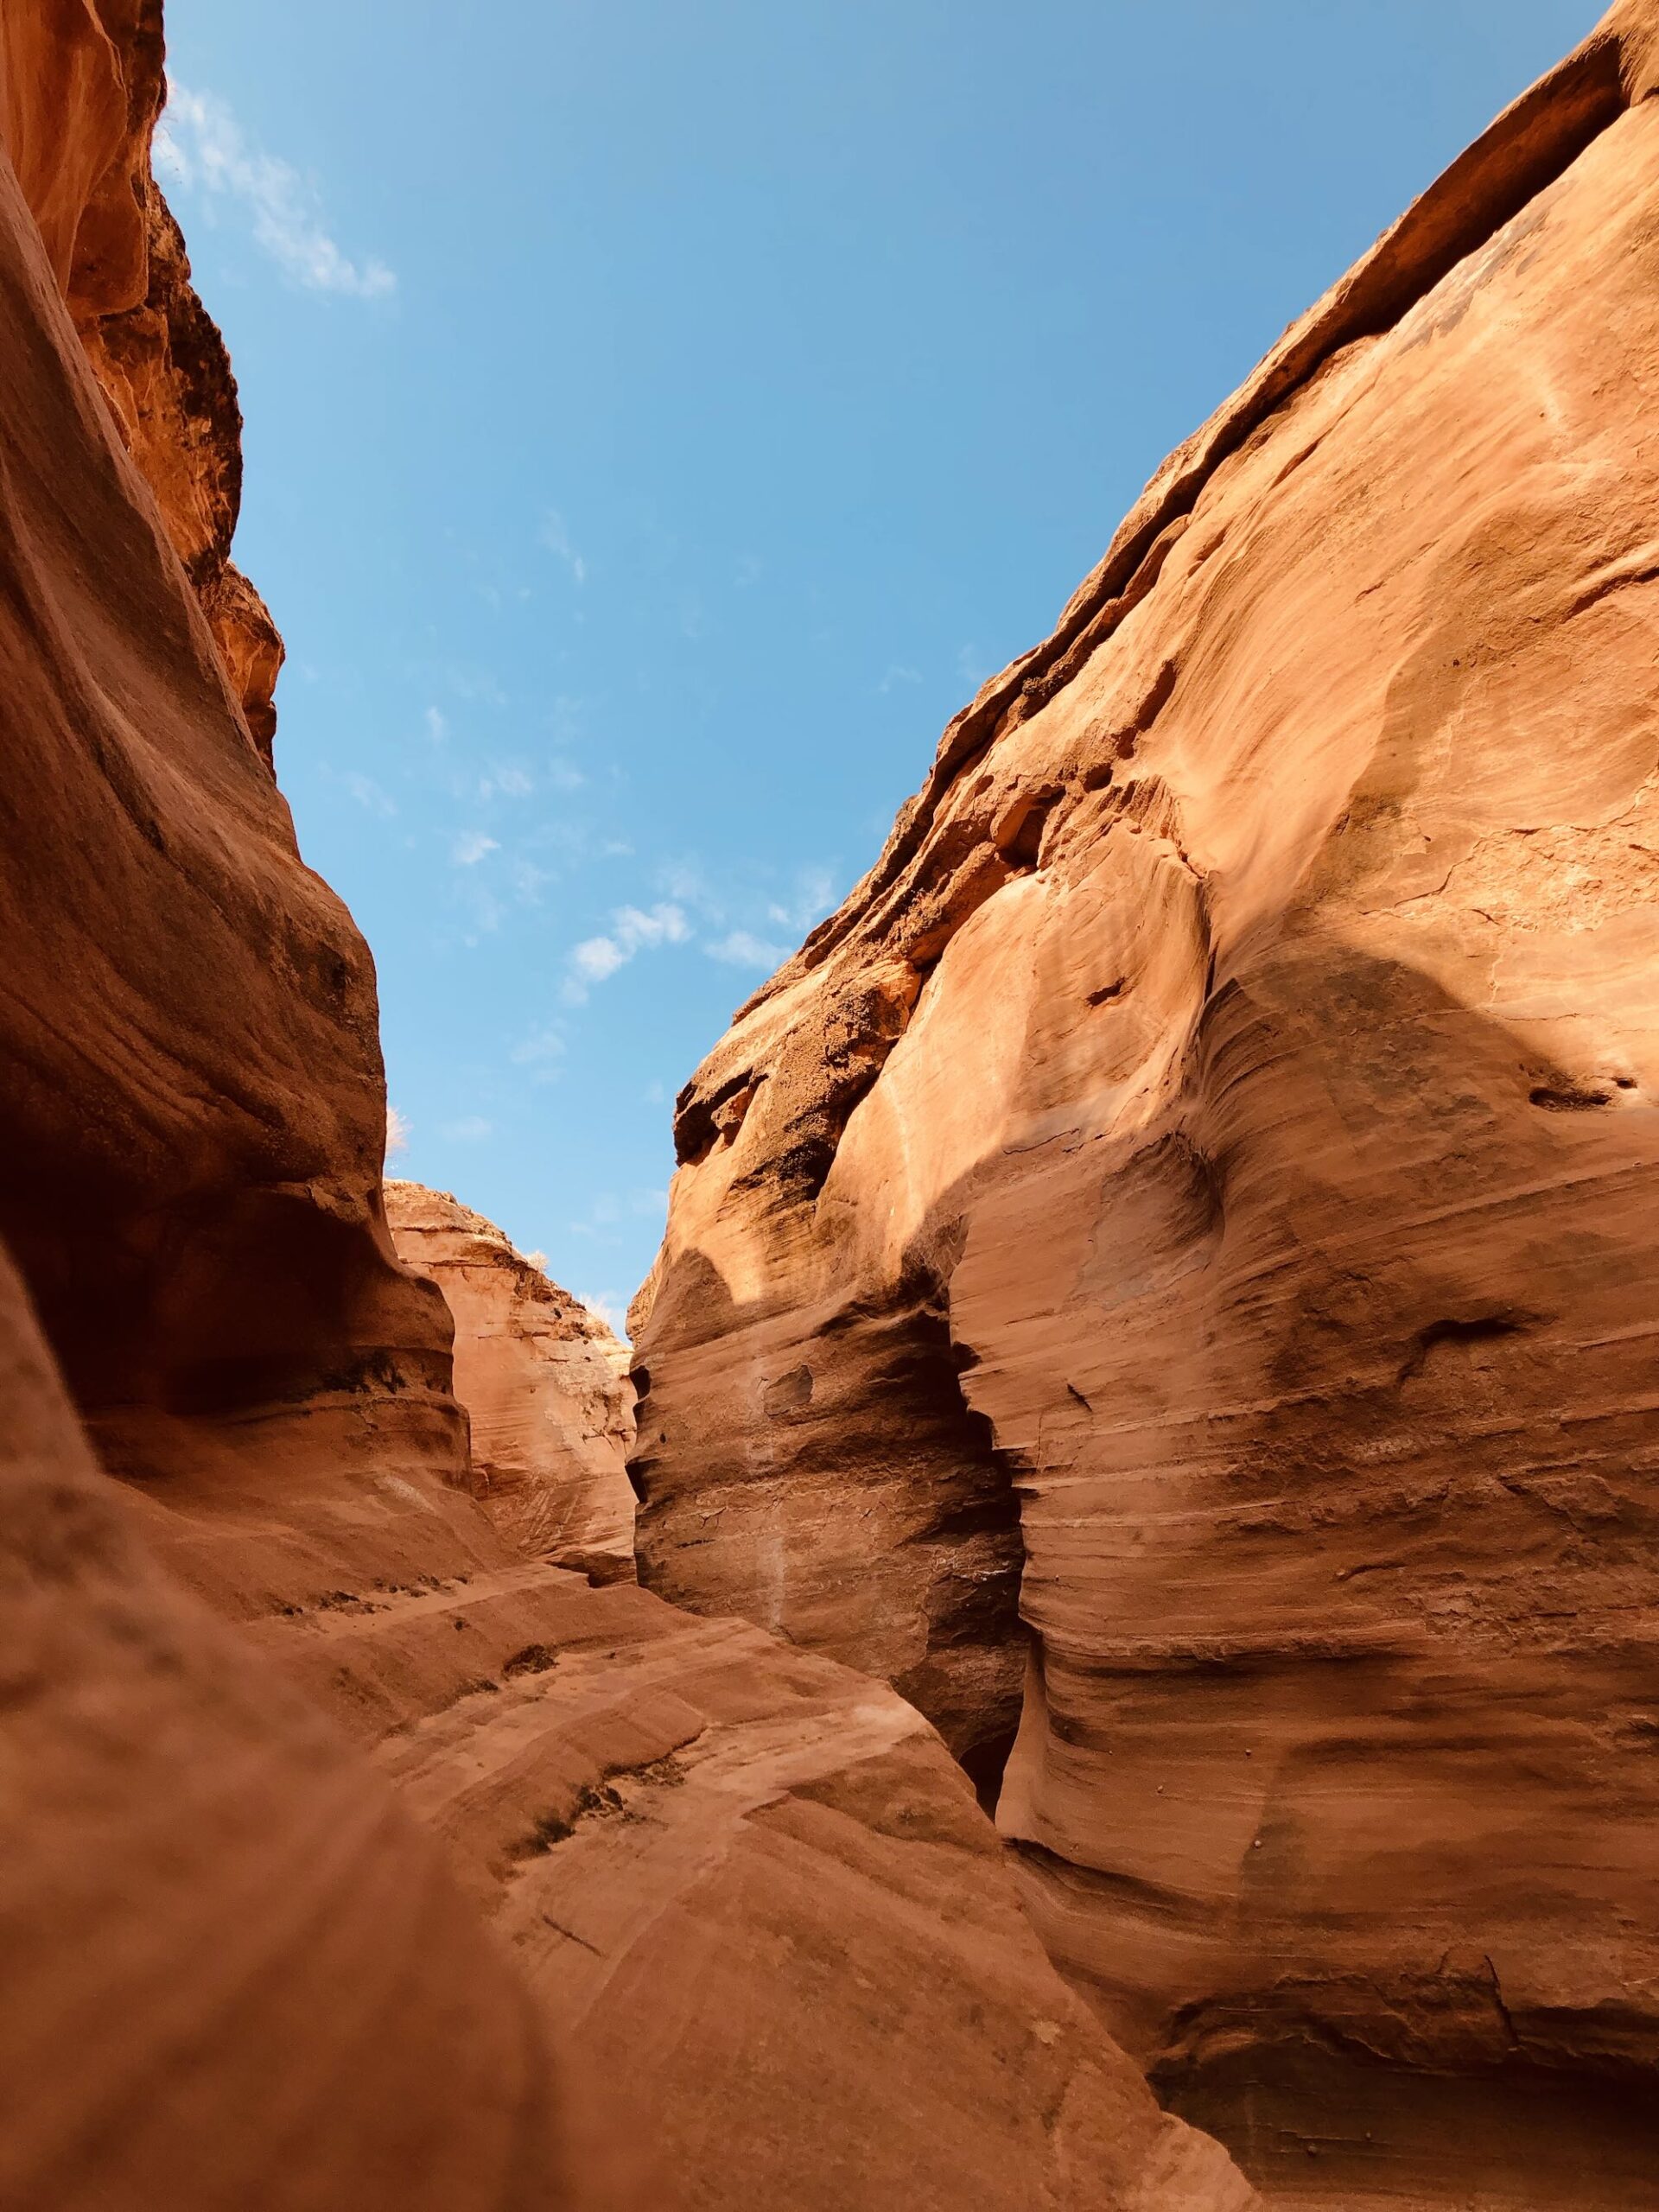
[1225, 1123]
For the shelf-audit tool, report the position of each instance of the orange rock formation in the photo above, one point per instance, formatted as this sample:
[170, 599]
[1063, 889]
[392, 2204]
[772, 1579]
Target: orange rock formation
[80, 87]
[1170, 1263]
[750, 1885]
[544, 1383]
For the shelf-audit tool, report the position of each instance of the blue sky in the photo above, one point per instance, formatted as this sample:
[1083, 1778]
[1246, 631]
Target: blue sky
[662, 417]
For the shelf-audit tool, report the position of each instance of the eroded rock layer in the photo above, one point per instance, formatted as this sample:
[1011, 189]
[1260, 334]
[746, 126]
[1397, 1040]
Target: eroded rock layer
[544, 1383]
[236, 1973]
[1238, 1082]
[191, 1111]
[81, 84]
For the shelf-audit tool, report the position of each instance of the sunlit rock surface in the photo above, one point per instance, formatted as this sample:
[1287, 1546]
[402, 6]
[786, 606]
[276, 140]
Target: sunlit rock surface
[1211, 1159]
[81, 83]
[543, 1383]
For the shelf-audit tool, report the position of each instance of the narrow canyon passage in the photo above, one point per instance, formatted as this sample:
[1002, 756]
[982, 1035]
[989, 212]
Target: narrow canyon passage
[1095, 1653]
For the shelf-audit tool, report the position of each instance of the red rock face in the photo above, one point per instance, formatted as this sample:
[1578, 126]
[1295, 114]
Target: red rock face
[193, 1110]
[545, 1386]
[210, 1914]
[82, 84]
[1237, 1077]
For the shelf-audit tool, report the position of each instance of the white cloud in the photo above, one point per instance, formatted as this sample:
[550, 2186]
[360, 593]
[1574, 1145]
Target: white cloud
[475, 685]
[529, 882]
[971, 668]
[368, 794]
[471, 847]
[611, 1307]
[200, 146]
[396, 1133]
[597, 957]
[815, 894]
[896, 676]
[436, 727]
[742, 948]
[632, 930]
[684, 879]
[541, 1052]
[557, 538]
[472, 1128]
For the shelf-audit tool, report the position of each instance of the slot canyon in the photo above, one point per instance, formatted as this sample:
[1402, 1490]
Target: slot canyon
[1099, 1651]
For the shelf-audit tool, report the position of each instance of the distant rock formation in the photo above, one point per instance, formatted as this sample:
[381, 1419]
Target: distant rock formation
[750, 1885]
[543, 1380]
[1170, 1263]
[193, 1111]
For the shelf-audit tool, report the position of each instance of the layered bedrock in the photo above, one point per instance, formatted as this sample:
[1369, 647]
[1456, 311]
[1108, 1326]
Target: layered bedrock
[543, 1382]
[192, 1107]
[82, 84]
[236, 1973]
[1224, 1125]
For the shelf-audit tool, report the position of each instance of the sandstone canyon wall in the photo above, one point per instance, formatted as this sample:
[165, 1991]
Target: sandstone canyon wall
[543, 1383]
[747, 1888]
[1169, 1265]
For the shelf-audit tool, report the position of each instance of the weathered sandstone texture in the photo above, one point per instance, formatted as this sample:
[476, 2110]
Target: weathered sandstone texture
[755, 1895]
[80, 87]
[192, 1110]
[236, 1973]
[544, 1383]
[751, 1887]
[1213, 1154]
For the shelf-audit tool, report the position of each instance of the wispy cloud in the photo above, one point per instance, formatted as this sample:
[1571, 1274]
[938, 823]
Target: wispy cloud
[436, 727]
[477, 686]
[471, 847]
[368, 794]
[201, 147]
[633, 930]
[815, 894]
[742, 948]
[541, 1052]
[471, 1128]
[557, 538]
[396, 1133]
[895, 676]
[611, 1307]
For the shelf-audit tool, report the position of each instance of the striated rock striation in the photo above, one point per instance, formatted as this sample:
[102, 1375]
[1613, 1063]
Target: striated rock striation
[81, 85]
[236, 1973]
[192, 1114]
[543, 1383]
[1170, 1262]
[748, 1889]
